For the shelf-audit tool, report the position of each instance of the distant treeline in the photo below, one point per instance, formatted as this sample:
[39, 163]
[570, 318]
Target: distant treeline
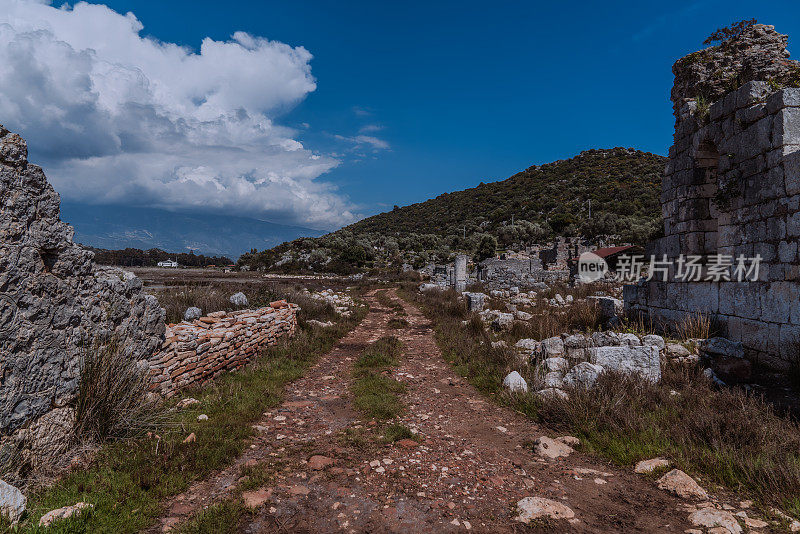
[134, 257]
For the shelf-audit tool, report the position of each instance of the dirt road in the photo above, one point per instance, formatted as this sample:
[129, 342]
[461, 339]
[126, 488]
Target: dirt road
[472, 465]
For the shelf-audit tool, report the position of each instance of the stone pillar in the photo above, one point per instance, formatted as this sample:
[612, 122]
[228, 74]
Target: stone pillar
[460, 273]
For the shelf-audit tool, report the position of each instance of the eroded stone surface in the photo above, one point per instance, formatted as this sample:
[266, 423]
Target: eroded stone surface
[531, 508]
[55, 303]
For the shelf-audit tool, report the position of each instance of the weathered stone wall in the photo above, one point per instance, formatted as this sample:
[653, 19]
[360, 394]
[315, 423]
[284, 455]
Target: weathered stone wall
[55, 303]
[732, 187]
[197, 351]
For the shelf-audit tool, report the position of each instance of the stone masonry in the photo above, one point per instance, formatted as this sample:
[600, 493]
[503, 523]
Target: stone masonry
[56, 305]
[732, 187]
[194, 352]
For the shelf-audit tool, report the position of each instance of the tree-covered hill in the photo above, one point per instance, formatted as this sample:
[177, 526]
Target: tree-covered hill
[621, 185]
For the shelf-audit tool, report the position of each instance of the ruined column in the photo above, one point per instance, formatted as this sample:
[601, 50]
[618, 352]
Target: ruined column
[460, 273]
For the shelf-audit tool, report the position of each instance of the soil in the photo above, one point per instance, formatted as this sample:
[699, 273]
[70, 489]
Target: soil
[472, 464]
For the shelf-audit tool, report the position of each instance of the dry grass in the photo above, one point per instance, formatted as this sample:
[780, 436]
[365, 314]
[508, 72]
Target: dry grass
[730, 437]
[694, 326]
[112, 399]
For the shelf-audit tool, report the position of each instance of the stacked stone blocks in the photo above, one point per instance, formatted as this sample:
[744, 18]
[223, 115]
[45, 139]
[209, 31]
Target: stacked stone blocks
[197, 351]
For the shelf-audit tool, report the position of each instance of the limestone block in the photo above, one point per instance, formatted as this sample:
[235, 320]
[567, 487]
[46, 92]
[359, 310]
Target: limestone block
[786, 127]
[640, 360]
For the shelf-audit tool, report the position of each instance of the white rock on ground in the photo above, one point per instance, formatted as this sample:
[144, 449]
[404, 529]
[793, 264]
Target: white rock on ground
[12, 502]
[550, 448]
[238, 299]
[584, 375]
[677, 350]
[515, 383]
[638, 360]
[654, 340]
[648, 466]
[527, 344]
[556, 364]
[63, 513]
[548, 393]
[192, 313]
[682, 485]
[553, 379]
[711, 517]
[553, 346]
[532, 508]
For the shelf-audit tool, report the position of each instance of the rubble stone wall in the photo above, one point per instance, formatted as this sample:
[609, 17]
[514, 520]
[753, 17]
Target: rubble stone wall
[56, 305]
[732, 187]
[197, 351]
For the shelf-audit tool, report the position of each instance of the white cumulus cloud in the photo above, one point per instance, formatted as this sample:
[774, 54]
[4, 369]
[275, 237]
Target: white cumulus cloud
[120, 118]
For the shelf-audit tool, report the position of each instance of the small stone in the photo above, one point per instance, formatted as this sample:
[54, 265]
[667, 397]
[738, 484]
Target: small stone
[682, 485]
[550, 448]
[515, 383]
[202, 417]
[299, 490]
[239, 299]
[407, 443]
[572, 441]
[711, 517]
[532, 508]
[192, 313]
[63, 513]
[189, 401]
[375, 463]
[255, 499]
[12, 502]
[600, 481]
[751, 522]
[648, 466]
[319, 462]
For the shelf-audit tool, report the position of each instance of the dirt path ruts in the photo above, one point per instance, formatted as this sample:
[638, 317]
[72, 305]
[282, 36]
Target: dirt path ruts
[467, 473]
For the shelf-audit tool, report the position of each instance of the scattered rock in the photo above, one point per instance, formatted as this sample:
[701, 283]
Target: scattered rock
[554, 379]
[503, 321]
[299, 490]
[552, 346]
[255, 499]
[407, 443]
[192, 313]
[572, 441]
[682, 485]
[12, 502]
[556, 364]
[583, 375]
[239, 299]
[630, 359]
[677, 350]
[530, 345]
[711, 517]
[202, 417]
[550, 448]
[549, 393]
[648, 466]
[515, 383]
[189, 401]
[318, 462]
[63, 513]
[531, 508]
[654, 340]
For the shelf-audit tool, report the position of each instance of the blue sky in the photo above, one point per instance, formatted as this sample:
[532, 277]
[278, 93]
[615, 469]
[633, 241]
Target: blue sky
[445, 95]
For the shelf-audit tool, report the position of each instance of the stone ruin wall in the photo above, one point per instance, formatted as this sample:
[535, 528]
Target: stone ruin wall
[197, 351]
[57, 305]
[732, 187]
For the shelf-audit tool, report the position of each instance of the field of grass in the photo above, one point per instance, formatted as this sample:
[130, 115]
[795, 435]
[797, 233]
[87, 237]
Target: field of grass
[725, 436]
[128, 480]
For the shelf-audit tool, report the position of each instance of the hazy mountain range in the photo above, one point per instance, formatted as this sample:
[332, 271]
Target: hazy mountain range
[117, 227]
